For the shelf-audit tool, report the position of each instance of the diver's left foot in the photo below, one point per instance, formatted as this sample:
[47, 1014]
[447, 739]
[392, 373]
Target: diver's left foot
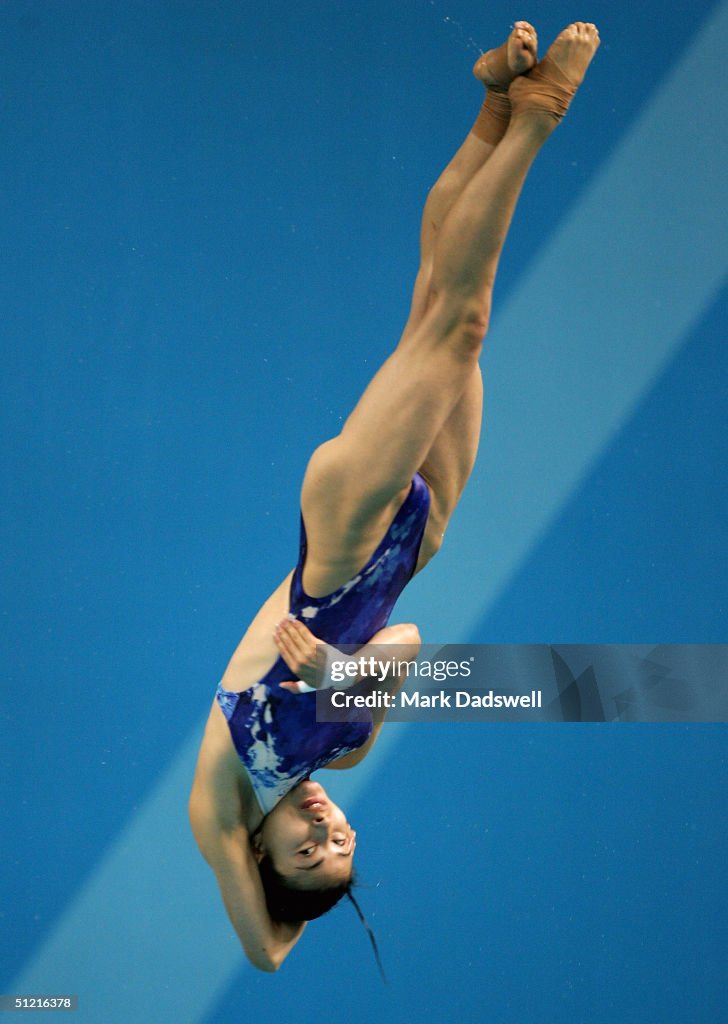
[497, 68]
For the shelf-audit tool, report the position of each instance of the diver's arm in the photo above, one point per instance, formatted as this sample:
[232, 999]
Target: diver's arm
[302, 652]
[266, 943]
[227, 850]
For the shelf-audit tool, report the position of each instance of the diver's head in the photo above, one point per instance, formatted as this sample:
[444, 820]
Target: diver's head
[304, 848]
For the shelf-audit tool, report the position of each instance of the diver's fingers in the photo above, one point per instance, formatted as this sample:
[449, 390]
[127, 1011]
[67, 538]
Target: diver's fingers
[300, 642]
[302, 637]
[300, 627]
[287, 649]
[286, 629]
[299, 637]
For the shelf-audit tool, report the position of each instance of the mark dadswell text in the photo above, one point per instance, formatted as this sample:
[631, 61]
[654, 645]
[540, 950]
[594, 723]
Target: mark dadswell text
[415, 700]
[469, 699]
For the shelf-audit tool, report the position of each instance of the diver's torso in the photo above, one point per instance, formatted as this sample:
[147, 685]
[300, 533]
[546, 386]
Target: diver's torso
[256, 653]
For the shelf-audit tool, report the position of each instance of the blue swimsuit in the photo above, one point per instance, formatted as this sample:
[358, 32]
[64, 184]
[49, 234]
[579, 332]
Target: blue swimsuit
[274, 731]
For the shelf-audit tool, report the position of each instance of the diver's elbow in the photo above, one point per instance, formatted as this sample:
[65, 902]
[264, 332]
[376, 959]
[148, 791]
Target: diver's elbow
[264, 961]
[268, 966]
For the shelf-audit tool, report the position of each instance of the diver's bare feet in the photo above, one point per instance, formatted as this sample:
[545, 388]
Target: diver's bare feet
[573, 49]
[497, 68]
[548, 88]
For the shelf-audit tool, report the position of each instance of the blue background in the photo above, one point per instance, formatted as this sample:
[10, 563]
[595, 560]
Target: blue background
[209, 219]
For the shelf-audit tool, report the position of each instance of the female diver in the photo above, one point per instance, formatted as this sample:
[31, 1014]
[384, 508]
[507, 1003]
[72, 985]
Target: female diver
[375, 503]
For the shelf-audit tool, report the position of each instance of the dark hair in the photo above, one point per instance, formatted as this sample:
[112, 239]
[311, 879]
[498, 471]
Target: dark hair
[286, 904]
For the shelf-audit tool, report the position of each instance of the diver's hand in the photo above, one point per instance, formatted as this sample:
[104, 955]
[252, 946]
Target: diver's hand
[303, 653]
[313, 661]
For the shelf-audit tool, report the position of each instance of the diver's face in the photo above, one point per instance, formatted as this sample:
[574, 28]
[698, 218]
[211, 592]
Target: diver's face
[308, 838]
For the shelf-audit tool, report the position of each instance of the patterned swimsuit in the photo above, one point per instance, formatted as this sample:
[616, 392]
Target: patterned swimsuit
[274, 731]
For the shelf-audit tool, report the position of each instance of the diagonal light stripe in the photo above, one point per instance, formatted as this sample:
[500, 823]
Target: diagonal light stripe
[591, 325]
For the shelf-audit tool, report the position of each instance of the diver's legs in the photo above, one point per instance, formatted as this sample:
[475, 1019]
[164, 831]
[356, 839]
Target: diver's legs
[358, 474]
[415, 391]
[353, 481]
[496, 69]
[451, 457]
[450, 460]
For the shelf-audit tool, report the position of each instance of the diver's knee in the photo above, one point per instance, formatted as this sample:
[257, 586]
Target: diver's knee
[467, 322]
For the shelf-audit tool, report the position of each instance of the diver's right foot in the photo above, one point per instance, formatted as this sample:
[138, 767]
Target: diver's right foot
[497, 68]
[549, 87]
